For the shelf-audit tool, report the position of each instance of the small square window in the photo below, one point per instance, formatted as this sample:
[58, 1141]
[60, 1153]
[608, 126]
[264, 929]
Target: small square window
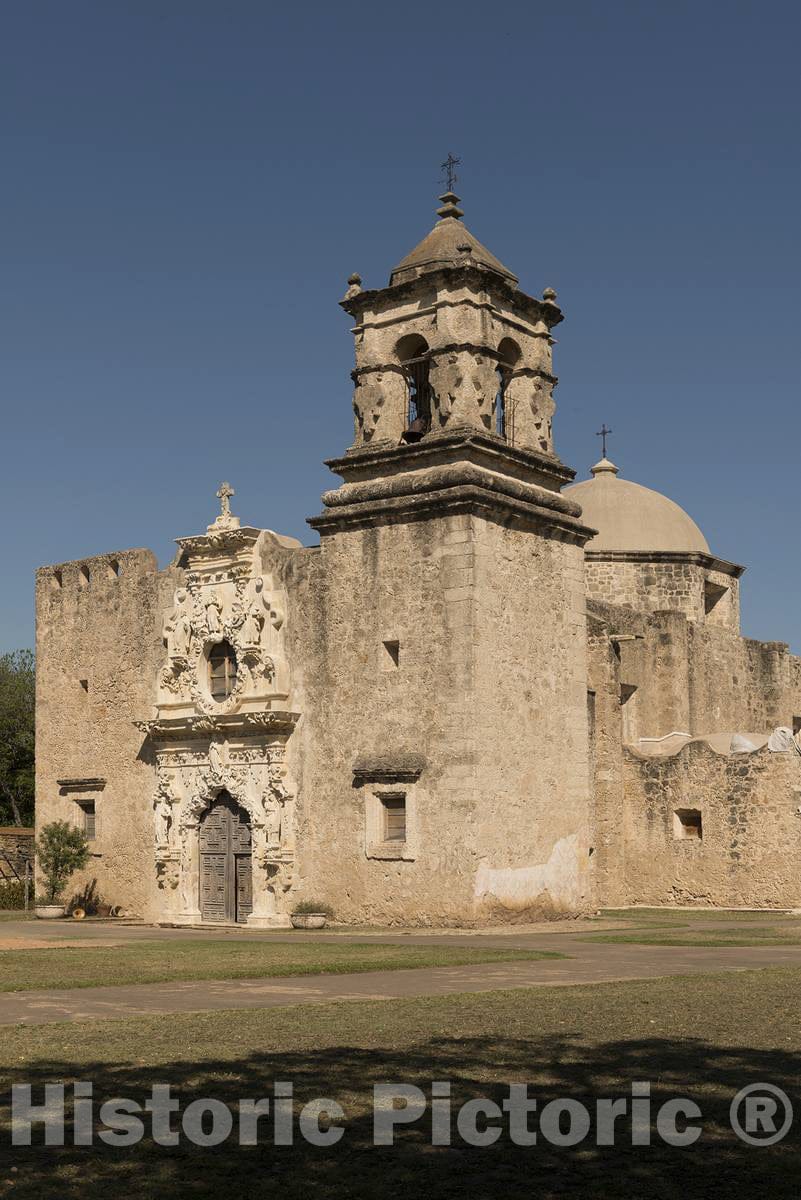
[394, 818]
[687, 825]
[713, 594]
[391, 657]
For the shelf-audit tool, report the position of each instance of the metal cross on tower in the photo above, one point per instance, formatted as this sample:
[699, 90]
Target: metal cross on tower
[603, 433]
[449, 169]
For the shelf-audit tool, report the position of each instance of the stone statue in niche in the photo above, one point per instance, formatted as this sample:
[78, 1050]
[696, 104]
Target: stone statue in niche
[214, 613]
[272, 820]
[162, 810]
[177, 630]
[215, 762]
[253, 623]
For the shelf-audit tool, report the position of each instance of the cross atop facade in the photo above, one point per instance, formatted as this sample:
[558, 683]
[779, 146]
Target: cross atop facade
[224, 494]
[603, 433]
[449, 169]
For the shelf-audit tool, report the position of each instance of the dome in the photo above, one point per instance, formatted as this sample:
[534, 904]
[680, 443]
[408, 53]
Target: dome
[631, 518]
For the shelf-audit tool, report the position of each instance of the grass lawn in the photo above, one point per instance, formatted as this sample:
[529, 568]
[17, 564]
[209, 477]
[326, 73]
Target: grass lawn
[658, 927]
[182, 959]
[692, 915]
[702, 1037]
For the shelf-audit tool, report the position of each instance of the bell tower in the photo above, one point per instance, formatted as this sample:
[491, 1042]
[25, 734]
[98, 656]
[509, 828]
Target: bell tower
[452, 343]
[453, 597]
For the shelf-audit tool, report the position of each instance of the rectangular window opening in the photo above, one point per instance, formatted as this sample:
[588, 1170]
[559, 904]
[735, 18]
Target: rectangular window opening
[391, 655]
[796, 725]
[58, 579]
[84, 684]
[394, 818]
[713, 594]
[687, 824]
[89, 819]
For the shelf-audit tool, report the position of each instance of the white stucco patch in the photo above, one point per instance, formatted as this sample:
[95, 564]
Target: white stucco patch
[517, 887]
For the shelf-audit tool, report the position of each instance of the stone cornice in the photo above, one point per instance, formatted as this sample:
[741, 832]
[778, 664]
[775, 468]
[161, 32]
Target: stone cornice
[467, 275]
[452, 501]
[82, 785]
[693, 558]
[466, 444]
[388, 768]
[227, 725]
[458, 471]
[222, 539]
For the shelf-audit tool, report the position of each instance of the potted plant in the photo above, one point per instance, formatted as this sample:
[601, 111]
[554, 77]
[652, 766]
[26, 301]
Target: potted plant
[310, 914]
[61, 848]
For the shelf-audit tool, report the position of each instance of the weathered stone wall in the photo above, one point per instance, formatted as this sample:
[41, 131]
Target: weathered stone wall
[740, 683]
[99, 621]
[654, 586]
[488, 697]
[364, 587]
[606, 762]
[532, 817]
[704, 681]
[749, 854]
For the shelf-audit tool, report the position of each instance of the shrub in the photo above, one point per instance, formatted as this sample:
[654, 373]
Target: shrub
[12, 894]
[60, 850]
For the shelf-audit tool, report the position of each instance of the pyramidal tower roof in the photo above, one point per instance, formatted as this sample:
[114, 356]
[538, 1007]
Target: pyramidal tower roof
[449, 244]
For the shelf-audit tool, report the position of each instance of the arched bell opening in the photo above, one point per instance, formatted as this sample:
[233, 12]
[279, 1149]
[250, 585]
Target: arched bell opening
[226, 862]
[503, 416]
[413, 355]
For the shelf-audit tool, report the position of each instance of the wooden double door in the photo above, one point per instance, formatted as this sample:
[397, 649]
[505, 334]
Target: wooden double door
[226, 870]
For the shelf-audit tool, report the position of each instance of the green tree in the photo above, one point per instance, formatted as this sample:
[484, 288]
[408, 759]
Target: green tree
[61, 848]
[16, 737]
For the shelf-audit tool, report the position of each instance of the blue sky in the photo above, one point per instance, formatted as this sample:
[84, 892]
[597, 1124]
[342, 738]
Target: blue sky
[187, 185]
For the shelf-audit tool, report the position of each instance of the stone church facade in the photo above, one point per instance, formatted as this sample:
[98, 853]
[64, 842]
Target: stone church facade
[486, 695]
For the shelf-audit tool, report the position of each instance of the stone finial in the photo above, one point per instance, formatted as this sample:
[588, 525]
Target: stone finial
[604, 467]
[354, 286]
[549, 296]
[450, 206]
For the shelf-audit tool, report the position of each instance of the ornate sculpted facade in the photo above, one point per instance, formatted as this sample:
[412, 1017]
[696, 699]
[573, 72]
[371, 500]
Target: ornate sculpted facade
[232, 745]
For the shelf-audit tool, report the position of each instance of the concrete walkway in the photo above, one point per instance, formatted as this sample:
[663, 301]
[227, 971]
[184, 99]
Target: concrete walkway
[588, 963]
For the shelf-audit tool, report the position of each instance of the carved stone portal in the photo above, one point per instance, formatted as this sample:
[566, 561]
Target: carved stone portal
[231, 747]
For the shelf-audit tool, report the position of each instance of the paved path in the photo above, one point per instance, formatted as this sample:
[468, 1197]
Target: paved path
[588, 963]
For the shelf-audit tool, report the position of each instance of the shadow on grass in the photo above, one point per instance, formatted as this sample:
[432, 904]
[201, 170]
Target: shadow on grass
[554, 1067]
